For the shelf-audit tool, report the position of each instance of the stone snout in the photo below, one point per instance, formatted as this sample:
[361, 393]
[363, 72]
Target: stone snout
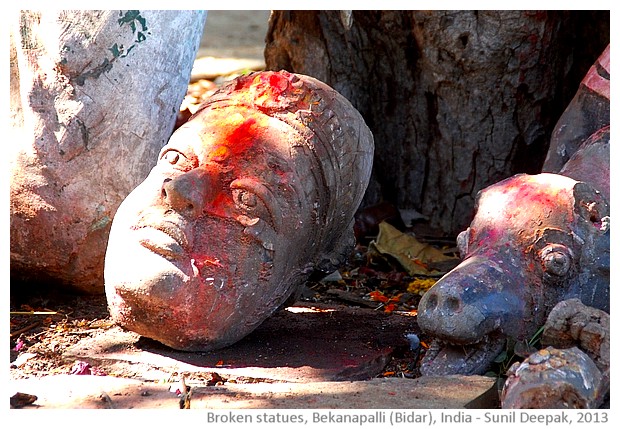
[478, 298]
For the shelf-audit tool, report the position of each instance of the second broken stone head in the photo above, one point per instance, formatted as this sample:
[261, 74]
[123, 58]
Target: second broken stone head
[248, 198]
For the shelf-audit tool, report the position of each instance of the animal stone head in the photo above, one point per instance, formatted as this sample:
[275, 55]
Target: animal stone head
[534, 241]
[249, 197]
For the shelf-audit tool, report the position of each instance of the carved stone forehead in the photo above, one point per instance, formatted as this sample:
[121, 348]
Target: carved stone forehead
[335, 140]
[311, 107]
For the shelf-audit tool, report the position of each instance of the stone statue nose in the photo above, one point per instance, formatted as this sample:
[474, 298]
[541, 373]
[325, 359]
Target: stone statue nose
[189, 193]
[478, 297]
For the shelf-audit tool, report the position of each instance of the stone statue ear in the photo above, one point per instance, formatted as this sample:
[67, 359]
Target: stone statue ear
[338, 251]
[462, 242]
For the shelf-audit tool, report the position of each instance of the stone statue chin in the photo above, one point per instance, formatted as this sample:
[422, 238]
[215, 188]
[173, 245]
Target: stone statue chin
[254, 193]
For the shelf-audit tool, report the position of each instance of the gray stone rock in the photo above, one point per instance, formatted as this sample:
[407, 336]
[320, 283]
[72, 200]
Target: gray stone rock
[573, 372]
[94, 96]
[555, 378]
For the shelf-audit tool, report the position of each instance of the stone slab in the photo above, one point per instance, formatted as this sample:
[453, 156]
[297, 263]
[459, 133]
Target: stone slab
[87, 391]
[304, 343]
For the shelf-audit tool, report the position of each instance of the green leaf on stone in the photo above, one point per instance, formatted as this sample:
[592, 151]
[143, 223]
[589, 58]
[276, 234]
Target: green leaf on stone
[501, 357]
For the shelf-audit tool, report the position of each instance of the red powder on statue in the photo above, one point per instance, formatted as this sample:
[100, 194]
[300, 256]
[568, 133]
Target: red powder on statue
[238, 134]
[242, 137]
[269, 88]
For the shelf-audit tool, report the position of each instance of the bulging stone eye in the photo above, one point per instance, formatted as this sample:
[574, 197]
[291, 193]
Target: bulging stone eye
[245, 198]
[556, 259]
[174, 157]
[177, 159]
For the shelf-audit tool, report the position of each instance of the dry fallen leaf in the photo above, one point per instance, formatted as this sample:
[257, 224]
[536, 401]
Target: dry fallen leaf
[420, 285]
[415, 257]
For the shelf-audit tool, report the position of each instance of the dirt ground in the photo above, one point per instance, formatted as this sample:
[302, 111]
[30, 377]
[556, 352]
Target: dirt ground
[234, 34]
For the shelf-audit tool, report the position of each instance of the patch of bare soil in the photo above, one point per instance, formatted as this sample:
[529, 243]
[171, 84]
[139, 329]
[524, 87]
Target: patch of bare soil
[43, 326]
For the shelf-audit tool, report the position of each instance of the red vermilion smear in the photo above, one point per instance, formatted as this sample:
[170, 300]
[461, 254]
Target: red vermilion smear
[238, 134]
[241, 138]
[526, 197]
[220, 203]
[204, 260]
[494, 235]
[269, 87]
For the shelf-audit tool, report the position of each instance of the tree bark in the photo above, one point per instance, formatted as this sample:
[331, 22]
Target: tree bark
[456, 100]
[94, 96]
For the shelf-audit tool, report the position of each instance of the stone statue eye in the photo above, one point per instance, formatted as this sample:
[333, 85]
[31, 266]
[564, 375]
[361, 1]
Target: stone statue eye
[172, 156]
[556, 259]
[177, 159]
[244, 198]
[255, 201]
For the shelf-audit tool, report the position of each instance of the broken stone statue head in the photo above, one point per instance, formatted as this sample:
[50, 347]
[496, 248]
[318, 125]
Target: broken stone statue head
[248, 198]
[535, 240]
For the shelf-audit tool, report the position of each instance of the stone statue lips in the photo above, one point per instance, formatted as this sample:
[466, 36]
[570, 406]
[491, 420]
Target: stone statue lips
[163, 236]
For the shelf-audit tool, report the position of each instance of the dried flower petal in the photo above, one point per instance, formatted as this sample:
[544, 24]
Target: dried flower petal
[19, 345]
[378, 296]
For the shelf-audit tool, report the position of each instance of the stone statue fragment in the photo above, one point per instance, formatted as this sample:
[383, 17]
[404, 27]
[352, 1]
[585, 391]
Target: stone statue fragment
[573, 371]
[535, 240]
[249, 197]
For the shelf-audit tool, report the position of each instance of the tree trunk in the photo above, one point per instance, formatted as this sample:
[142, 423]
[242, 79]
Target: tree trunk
[94, 96]
[456, 100]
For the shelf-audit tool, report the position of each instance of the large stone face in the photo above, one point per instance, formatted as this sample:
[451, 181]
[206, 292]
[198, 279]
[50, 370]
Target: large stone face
[94, 96]
[249, 197]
